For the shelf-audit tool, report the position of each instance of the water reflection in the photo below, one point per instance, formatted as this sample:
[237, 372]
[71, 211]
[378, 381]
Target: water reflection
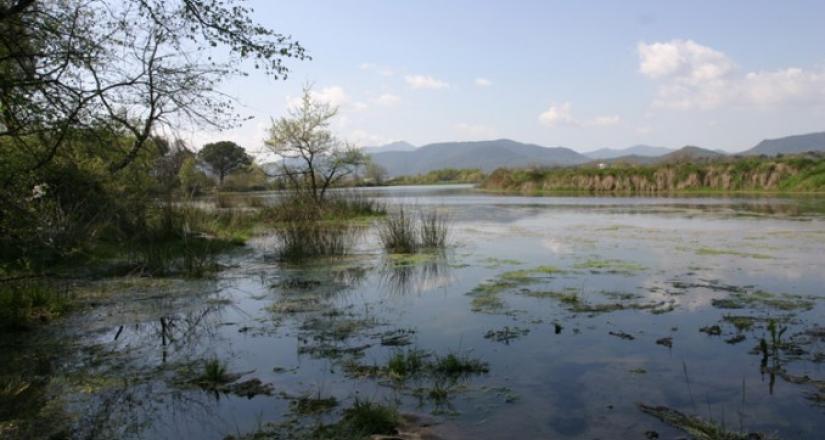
[575, 272]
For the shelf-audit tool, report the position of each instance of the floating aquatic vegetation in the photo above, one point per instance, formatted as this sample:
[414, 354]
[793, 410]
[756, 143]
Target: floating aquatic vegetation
[667, 342]
[610, 266]
[312, 404]
[698, 428]
[764, 300]
[712, 330]
[622, 335]
[506, 334]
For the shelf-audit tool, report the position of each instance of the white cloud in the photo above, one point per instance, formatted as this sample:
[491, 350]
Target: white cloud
[387, 100]
[791, 85]
[359, 106]
[562, 115]
[557, 115]
[425, 82]
[692, 76]
[604, 121]
[474, 131]
[682, 58]
[333, 95]
[483, 82]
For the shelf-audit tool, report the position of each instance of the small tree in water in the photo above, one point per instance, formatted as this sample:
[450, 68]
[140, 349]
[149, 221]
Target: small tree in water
[313, 159]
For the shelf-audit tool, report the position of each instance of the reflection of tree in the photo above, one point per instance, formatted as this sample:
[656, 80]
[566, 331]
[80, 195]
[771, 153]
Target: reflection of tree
[174, 331]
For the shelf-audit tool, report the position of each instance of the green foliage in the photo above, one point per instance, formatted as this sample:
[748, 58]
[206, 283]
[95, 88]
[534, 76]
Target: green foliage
[215, 372]
[798, 173]
[315, 160]
[363, 420]
[403, 364]
[398, 233]
[192, 180]
[224, 157]
[454, 365]
[445, 175]
[25, 302]
[401, 233]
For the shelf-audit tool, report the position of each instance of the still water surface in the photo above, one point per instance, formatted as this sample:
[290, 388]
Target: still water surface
[579, 288]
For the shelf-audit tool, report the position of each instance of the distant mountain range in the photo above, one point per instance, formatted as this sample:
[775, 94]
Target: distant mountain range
[485, 155]
[790, 144]
[394, 146]
[402, 158]
[636, 150]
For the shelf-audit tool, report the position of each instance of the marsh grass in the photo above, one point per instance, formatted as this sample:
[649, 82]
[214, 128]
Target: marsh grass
[25, 302]
[300, 241]
[215, 373]
[454, 365]
[365, 418]
[398, 232]
[404, 364]
[433, 230]
[404, 233]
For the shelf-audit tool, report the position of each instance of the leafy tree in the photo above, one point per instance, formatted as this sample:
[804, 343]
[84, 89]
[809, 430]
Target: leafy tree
[129, 67]
[375, 173]
[313, 159]
[192, 180]
[224, 157]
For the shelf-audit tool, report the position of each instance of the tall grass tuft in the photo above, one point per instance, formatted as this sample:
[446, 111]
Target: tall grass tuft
[398, 232]
[299, 241]
[403, 233]
[433, 230]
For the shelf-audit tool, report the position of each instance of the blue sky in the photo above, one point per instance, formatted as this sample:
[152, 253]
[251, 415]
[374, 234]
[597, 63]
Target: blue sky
[580, 74]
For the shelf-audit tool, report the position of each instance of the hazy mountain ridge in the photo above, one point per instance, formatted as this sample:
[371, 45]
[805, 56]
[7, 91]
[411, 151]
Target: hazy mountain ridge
[393, 146]
[801, 143]
[635, 150]
[402, 158]
[484, 155]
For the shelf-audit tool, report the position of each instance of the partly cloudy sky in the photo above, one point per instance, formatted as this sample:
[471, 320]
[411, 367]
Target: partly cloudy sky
[585, 75]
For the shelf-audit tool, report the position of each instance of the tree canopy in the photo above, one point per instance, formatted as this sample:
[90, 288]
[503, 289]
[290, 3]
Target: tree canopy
[224, 157]
[125, 68]
[313, 159]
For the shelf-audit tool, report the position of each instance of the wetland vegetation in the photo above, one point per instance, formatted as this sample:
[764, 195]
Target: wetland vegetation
[149, 291]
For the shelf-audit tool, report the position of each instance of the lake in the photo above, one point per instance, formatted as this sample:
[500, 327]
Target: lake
[581, 308]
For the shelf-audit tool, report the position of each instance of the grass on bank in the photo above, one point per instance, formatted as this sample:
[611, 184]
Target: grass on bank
[27, 302]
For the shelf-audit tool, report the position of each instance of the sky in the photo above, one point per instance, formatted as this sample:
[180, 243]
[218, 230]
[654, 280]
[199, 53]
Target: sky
[579, 74]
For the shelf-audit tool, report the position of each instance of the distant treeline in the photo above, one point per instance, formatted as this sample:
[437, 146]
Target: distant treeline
[446, 175]
[798, 173]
